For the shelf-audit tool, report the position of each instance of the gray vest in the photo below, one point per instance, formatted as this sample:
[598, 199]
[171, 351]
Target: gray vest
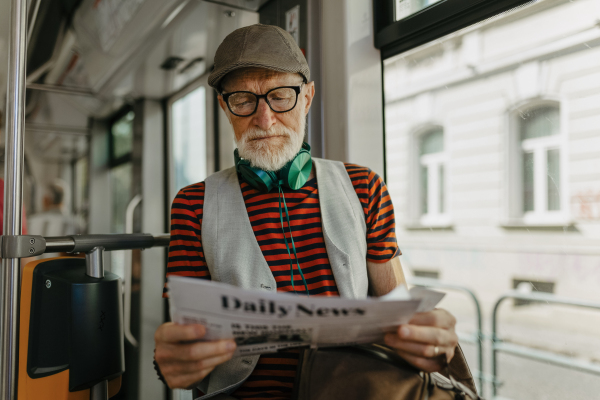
[234, 256]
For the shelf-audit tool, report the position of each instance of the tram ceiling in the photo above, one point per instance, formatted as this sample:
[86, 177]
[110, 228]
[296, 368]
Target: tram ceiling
[92, 76]
[83, 74]
[53, 147]
[175, 53]
[116, 63]
[102, 54]
[48, 20]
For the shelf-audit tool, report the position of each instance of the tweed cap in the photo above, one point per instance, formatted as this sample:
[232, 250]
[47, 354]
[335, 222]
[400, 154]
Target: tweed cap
[263, 46]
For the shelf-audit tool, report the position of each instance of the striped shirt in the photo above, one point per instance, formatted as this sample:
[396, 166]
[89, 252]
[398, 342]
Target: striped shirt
[273, 377]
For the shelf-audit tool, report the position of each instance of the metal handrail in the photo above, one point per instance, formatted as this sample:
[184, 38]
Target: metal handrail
[85, 243]
[13, 194]
[476, 339]
[535, 354]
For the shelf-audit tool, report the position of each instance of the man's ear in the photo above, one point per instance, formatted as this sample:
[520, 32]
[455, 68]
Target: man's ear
[309, 94]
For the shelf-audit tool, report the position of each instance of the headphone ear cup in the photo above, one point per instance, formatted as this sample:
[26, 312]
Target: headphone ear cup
[295, 174]
[257, 178]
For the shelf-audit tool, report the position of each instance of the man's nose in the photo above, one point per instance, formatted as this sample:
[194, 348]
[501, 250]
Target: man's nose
[264, 117]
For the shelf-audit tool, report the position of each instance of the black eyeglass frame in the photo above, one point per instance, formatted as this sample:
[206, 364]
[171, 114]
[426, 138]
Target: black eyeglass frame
[297, 89]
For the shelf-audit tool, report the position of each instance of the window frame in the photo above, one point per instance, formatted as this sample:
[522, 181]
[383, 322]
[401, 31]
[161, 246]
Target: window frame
[437, 20]
[515, 215]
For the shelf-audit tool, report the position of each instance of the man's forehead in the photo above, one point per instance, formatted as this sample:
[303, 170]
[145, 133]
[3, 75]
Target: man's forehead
[247, 78]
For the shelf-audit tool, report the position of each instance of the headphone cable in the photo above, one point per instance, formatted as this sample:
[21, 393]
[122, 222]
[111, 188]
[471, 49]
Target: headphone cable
[287, 215]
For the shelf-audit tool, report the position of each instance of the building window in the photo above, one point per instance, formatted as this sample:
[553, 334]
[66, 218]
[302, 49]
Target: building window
[527, 286]
[542, 183]
[426, 273]
[432, 180]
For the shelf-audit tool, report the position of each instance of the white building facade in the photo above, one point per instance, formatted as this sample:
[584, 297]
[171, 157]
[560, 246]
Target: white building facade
[493, 152]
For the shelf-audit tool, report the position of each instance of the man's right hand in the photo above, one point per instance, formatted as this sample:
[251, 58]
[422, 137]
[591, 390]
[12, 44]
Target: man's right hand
[183, 361]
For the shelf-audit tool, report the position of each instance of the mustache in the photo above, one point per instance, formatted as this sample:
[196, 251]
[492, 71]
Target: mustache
[257, 133]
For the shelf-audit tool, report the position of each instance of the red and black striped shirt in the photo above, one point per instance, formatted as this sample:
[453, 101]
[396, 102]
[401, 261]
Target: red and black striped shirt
[273, 377]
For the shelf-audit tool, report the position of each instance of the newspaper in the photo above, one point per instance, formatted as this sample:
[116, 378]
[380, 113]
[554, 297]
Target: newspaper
[265, 322]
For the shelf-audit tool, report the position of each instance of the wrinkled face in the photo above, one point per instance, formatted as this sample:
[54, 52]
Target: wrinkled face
[268, 139]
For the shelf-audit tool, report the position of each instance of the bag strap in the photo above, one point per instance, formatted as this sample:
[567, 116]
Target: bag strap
[461, 390]
[459, 369]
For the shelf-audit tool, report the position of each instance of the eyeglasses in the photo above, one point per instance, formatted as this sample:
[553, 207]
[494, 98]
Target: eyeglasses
[280, 100]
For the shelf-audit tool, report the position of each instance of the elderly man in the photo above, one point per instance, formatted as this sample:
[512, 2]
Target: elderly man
[315, 226]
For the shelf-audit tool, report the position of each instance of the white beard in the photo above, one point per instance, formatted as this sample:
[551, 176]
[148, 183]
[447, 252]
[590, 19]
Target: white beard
[271, 154]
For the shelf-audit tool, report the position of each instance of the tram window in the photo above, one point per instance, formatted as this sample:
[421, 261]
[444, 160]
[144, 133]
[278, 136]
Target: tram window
[81, 182]
[121, 136]
[401, 25]
[188, 138]
[121, 178]
[120, 183]
[517, 98]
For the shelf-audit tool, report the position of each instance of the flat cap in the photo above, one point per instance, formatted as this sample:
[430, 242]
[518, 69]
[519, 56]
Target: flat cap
[262, 46]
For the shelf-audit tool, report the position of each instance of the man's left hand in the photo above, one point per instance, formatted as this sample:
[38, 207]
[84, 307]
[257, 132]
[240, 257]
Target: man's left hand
[427, 341]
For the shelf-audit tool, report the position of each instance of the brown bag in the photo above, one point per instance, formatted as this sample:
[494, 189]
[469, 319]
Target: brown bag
[376, 372]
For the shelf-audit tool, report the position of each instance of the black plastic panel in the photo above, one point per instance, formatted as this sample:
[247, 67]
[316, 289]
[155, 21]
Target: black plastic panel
[49, 331]
[75, 324]
[97, 351]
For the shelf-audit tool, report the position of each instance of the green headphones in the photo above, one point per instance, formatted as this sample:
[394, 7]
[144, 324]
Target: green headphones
[294, 174]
